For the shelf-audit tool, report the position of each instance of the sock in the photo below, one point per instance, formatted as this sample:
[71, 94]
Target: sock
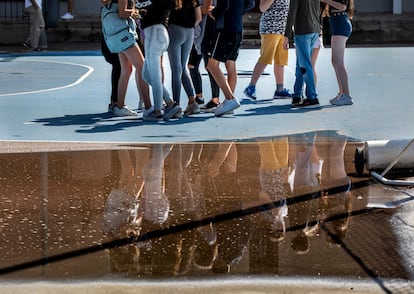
[279, 87]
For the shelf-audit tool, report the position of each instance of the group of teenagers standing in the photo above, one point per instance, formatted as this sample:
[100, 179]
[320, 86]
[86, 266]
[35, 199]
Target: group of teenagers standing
[211, 30]
[282, 19]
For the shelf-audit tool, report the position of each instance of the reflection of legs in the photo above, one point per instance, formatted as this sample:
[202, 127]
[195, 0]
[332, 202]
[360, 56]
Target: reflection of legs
[156, 202]
[273, 181]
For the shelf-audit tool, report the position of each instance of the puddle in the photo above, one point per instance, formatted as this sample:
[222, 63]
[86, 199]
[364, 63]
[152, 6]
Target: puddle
[277, 209]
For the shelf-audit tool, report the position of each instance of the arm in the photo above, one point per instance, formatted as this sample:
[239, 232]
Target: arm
[34, 4]
[124, 11]
[289, 23]
[265, 4]
[336, 5]
[198, 15]
[207, 6]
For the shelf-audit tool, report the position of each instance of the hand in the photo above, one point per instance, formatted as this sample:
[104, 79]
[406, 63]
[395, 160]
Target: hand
[286, 43]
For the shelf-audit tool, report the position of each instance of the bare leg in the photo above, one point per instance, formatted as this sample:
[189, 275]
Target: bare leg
[338, 44]
[231, 74]
[126, 69]
[213, 67]
[135, 56]
[257, 71]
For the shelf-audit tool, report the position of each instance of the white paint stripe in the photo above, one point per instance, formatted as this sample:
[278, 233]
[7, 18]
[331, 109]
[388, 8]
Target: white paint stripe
[78, 81]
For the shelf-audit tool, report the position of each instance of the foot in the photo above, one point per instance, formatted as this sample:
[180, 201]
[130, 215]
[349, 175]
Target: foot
[210, 106]
[67, 16]
[284, 94]
[192, 108]
[309, 103]
[123, 111]
[342, 100]
[227, 106]
[250, 92]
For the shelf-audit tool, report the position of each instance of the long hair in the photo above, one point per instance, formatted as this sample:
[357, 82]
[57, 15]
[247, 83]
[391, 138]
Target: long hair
[351, 9]
[179, 4]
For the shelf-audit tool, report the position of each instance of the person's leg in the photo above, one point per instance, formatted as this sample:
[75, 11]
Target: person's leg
[37, 25]
[280, 60]
[267, 50]
[304, 44]
[126, 69]
[194, 68]
[206, 48]
[213, 66]
[113, 59]
[156, 42]
[314, 56]
[338, 44]
[135, 56]
[185, 54]
[176, 34]
[70, 6]
[231, 74]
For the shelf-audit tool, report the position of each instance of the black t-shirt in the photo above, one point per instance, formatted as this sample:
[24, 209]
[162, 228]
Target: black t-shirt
[156, 12]
[185, 15]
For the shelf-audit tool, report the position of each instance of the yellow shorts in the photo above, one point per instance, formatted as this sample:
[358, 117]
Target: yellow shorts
[271, 50]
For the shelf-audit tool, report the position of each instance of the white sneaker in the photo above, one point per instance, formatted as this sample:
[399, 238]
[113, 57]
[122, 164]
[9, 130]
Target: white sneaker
[192, 108]
[342, 100]
[67, 16]
[124, 111]
[149, 115]
[227, 106]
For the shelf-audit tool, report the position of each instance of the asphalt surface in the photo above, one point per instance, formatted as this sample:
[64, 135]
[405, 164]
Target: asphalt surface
[62, 96]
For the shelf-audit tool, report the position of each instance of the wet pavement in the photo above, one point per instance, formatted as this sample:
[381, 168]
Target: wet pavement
[266, 200]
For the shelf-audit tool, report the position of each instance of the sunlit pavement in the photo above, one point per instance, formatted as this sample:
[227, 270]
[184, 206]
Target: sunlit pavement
[265, 200]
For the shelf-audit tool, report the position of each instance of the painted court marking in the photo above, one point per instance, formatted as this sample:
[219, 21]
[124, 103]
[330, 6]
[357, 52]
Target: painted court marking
[78, 81]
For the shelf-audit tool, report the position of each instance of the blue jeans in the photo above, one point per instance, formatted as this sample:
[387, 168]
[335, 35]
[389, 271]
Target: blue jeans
[304, 70]
[181, 41]
[156, 43]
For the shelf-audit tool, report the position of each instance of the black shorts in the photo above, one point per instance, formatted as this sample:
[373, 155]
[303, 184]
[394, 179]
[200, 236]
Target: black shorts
[226, 46]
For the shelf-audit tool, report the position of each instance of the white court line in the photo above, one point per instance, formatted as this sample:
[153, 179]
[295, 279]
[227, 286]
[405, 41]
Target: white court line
[78, 81]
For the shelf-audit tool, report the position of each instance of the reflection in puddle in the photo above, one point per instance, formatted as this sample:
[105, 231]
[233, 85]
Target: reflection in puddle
[283, 207]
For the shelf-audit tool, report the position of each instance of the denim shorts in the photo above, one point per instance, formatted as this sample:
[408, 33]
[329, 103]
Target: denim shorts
[340, 25]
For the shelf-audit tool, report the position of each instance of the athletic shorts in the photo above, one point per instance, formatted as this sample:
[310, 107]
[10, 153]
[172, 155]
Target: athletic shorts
[271, 49]
[226, 46]
[340, 25]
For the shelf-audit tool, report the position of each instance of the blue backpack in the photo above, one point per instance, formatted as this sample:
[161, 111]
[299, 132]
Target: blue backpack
[119, 33]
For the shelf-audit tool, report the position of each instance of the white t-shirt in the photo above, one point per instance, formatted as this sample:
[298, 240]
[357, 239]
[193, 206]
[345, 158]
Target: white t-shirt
[28, 3]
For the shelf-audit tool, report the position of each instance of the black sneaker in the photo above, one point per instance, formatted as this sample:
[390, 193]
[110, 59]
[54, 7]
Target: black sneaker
[199, 100]
[296, 101]
[209, 107]
[309, 103]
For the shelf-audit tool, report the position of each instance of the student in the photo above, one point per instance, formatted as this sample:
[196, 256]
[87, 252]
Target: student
[181, 25]
[228, 15]
[37, 24]
[154, 24]
[128, 58]
[204, 44]
[340, 13]
[271, 29]
[304, 17]
[69, 14]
